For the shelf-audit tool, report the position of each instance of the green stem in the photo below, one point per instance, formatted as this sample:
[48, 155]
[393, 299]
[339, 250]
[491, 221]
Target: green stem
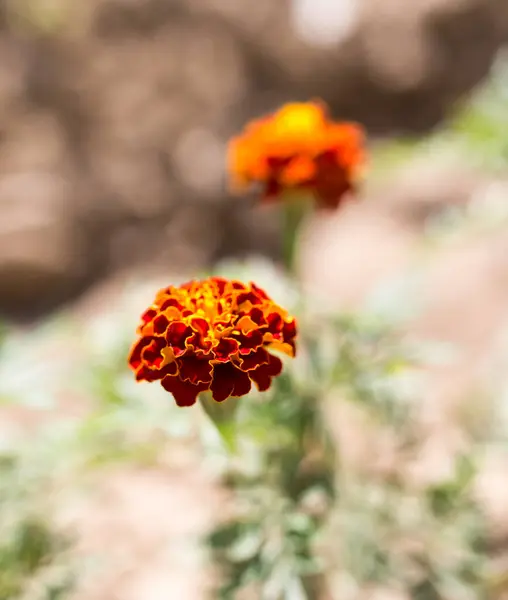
[295, 209]
[222, 415]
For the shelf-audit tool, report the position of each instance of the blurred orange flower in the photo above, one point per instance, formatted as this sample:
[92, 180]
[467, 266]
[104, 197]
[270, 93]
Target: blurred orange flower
[298, 147]
[212, 335]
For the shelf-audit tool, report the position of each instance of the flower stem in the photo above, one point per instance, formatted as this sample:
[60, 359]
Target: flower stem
[295, 209]
[222, 415]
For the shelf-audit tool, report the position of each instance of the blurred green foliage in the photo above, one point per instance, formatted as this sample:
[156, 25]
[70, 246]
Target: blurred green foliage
[34, 561]
[306, 521]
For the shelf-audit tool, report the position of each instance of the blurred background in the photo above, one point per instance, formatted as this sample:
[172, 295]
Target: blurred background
[114, 121]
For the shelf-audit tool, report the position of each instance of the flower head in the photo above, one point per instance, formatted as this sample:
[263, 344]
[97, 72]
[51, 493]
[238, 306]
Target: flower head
[212, 335]
[298, 147]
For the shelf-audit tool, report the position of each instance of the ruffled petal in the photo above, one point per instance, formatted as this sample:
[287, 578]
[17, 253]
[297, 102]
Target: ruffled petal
[262, 376]
[184, 392]
[229, 381]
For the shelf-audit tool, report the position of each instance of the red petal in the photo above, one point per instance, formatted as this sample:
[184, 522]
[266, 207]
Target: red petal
[255, 359]
[272, 189]
[225, 348]
[171, 302]
[262, 376]
[275, 322]
[256, 314]
[146, 374]
[332, 180]
[289, 331]
[151, 354]
[184, 393]
[148, 315]
[200, 325]
[135, 353]
[248, 297]
[160, 324]
[249, 341]
[278, 163]
[258, 291]
[229, 381]
[221, 283]
[195, 369]
[198, 344]
[199, 339]
[176, 336]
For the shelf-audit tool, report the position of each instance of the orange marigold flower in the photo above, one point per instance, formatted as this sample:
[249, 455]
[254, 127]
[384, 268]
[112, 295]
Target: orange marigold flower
[212, 335]
[298, 147]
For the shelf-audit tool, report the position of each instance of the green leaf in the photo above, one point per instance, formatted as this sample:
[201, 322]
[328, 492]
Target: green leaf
[246, 546]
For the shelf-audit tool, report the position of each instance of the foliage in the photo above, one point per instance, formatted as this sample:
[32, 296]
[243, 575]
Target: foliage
[33, 554]
[308, 525]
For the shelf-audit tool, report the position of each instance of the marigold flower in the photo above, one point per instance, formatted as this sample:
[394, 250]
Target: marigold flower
[212, 335]
[298, 147]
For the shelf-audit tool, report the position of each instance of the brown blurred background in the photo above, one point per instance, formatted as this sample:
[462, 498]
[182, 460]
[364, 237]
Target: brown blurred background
[114, 115]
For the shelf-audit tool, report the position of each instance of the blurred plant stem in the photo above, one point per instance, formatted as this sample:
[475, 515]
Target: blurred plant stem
[295, 209]
[222, 415]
